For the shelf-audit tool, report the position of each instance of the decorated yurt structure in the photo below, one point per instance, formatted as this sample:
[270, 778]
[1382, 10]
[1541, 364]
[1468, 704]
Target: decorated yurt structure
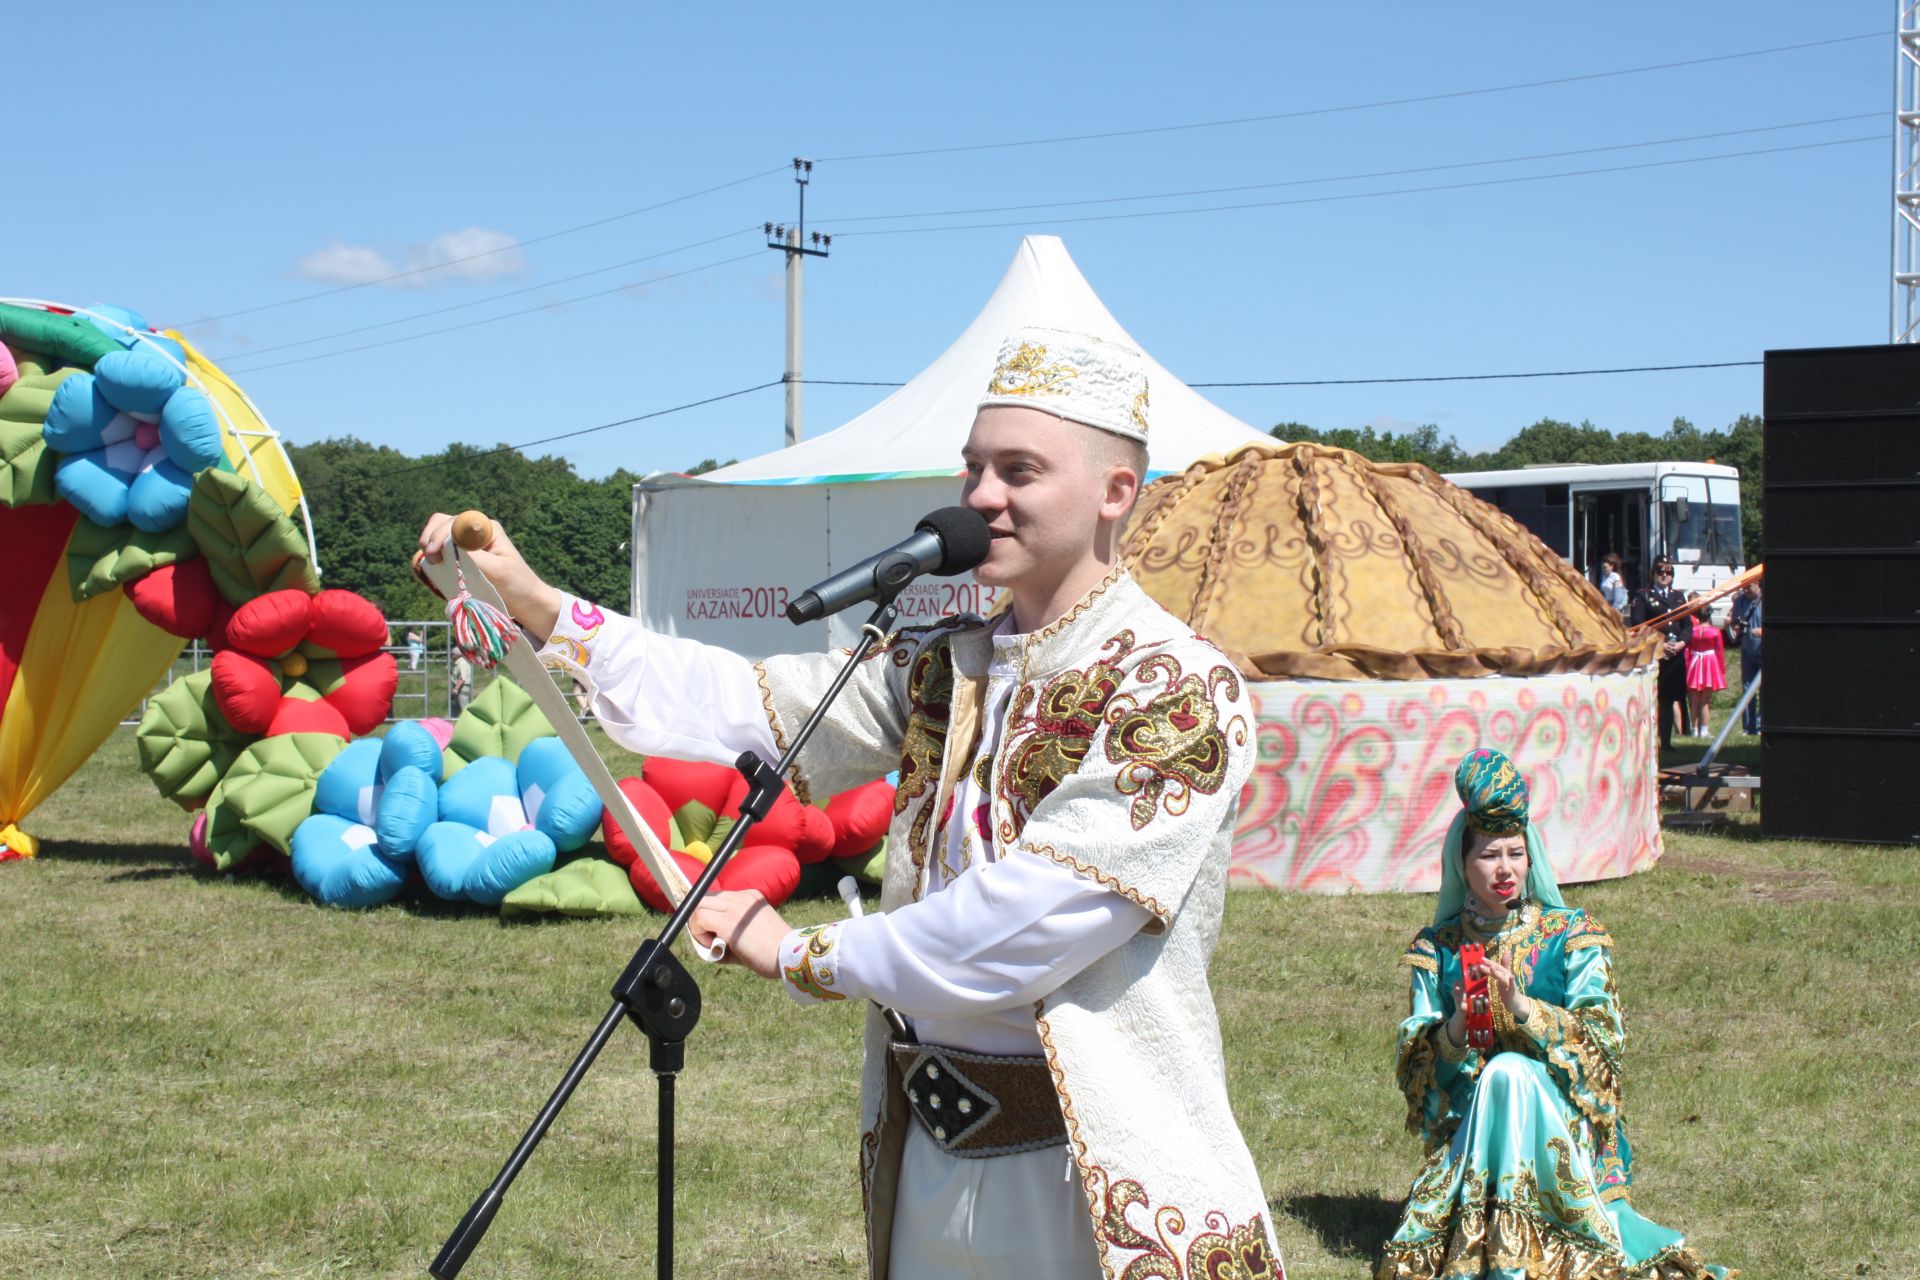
[1387, 622]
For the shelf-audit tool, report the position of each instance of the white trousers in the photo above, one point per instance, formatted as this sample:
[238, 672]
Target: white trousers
[1017, 1217]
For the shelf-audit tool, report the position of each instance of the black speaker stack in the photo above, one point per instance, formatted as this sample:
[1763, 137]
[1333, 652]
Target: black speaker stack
[1840, 689]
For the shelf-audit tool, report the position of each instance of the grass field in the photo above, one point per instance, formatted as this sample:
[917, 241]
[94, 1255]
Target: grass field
[207, 1077]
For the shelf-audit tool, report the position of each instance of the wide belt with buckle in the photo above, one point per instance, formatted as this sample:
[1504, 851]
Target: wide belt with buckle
[980, 1104]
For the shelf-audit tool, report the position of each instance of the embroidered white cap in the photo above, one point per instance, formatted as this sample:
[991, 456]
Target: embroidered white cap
[1074, 376]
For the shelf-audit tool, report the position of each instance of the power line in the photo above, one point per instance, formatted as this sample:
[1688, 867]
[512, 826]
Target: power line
[486, 253]
[1489, 377]
[507, 315]
[1355, 106]
[763, 386]
[1356, 177]
[1373, 195]
[1362, 382]
[565, 435]
[477, 302]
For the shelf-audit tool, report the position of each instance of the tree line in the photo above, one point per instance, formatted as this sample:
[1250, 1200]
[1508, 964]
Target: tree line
[1550, 442]
[369, 501]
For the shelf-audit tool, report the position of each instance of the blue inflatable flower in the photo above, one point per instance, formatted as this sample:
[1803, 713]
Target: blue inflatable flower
[132, 435]
[503, 824]
[369, 809]
[381, 808]
[114, 321]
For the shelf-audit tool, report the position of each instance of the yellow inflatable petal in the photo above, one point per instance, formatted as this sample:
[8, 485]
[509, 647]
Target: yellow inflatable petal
[83, 668]
[698, 850]
[252, 446]
[15, 843]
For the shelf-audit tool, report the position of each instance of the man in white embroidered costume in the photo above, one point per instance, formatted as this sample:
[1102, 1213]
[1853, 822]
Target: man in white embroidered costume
[1069, 774]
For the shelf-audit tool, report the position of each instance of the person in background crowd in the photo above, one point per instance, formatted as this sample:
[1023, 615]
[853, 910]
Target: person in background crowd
[1612, 586]
[460, 688]
[416, 647]
[1747, 628]
[1706, 669]
[1657, 600]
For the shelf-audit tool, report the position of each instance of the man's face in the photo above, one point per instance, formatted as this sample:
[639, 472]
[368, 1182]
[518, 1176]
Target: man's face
[1029, 478]
[1663, 575]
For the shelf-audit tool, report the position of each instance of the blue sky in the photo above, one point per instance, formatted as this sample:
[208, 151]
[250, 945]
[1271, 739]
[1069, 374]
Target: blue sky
[203, 161]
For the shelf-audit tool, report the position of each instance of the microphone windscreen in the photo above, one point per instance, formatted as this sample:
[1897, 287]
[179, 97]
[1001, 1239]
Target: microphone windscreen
[964, 540]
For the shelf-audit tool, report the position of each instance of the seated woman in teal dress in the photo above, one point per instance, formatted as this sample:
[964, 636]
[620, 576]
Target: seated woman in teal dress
[1528, 1170]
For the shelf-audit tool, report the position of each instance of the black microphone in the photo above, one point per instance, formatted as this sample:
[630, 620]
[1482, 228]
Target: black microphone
[949, 541]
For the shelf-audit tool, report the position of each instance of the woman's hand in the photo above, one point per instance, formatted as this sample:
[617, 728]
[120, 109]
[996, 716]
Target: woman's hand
[1512, 994]
[534, 604]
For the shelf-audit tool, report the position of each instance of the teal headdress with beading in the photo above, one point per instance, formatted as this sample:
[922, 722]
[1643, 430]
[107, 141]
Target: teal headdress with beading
[1493, 800]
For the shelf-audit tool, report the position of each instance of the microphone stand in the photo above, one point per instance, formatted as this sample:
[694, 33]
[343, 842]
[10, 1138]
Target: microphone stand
[655, 990]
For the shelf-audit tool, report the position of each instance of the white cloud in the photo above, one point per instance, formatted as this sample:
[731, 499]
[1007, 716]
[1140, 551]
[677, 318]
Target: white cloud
[476, 253]
[344, 264]
[473, 253]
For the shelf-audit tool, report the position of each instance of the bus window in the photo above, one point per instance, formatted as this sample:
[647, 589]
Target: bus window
[1697, 524]
[1541, 508]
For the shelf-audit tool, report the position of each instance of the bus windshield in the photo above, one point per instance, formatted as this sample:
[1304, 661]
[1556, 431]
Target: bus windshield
[1708, 531]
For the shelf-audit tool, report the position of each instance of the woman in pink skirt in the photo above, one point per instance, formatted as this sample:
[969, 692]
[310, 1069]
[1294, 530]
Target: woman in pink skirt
[1706, 670]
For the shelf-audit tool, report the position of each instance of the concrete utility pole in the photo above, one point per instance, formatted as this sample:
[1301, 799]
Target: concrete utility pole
[793, 242]
[1905, 326]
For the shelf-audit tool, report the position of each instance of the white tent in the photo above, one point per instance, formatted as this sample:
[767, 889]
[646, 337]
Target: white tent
[715, 558]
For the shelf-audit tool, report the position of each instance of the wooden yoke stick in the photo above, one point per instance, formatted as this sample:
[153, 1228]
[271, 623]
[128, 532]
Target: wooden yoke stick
[473, 531]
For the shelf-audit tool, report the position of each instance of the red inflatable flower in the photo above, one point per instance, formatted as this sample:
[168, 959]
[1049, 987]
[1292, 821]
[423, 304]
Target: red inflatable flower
[691, 807]
[180, 598]
[296, 663]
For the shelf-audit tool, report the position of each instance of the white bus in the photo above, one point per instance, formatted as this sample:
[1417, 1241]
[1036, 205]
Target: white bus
[1686, 511]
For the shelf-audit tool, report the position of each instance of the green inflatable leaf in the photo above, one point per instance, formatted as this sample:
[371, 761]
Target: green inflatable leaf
[186, 746]
[250, 544]
[69, 339]
[584, 887]
[869, 867]
[501, 721]
[266, 793]
[26, 464]
[101, 559]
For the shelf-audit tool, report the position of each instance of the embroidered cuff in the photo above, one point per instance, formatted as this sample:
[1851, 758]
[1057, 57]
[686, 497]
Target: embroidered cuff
[809, 966]
[570, 647]
[1449, 1051]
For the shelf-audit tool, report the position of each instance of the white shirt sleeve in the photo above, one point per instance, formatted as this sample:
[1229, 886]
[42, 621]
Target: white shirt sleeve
[661, 695]
[1001, 935]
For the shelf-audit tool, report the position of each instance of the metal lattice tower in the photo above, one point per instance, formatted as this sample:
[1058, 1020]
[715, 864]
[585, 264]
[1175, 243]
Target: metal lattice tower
[1906, 176]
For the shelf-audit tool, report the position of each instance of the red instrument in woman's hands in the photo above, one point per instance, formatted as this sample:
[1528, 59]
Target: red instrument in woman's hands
[1474, 995]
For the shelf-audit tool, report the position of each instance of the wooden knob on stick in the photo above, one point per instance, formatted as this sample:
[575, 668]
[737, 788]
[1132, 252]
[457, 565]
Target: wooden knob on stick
[472, 531]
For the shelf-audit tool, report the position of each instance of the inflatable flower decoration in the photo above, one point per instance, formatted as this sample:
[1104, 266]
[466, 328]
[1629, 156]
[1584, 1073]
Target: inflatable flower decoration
[131, 435]
[382, 809]
[295, 663]
[691, 808]
[375, 784]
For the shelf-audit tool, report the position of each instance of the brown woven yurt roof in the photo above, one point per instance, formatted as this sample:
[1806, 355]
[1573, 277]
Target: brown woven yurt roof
[1302, 560]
